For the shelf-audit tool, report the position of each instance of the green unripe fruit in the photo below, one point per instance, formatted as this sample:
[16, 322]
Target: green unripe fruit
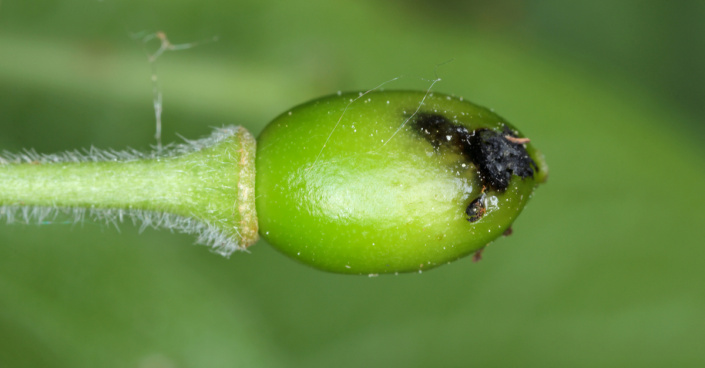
[390, 181]
[363, 183]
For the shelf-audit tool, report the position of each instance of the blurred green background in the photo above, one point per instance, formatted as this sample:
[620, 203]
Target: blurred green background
[604, 267]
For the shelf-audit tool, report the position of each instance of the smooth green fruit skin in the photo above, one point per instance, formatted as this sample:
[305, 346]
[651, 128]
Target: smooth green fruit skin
[360, 191]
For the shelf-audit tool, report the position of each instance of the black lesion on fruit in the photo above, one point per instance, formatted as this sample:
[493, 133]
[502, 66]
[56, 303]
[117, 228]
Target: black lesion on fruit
[496, 155]
[439, 131]
[476, 209]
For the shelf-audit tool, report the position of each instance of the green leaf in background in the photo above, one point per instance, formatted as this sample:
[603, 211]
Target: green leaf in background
[605, 267]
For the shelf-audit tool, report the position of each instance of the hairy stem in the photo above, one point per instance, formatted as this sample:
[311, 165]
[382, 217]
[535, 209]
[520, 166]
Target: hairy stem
[204, 187]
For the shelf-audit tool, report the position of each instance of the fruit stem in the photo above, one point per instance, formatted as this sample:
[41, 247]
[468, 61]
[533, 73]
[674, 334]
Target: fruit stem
[204, 187]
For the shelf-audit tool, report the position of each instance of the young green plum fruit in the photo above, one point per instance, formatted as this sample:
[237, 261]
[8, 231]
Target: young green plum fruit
[365, 183]
[388, 182]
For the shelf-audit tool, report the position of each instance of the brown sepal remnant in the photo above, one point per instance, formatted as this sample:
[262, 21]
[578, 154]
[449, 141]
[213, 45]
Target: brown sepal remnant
[508, 232]
[477, 257]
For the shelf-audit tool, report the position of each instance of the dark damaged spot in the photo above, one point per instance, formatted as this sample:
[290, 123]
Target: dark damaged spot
[498, 158]
[476, 209]
[440, 132]
[496, 155]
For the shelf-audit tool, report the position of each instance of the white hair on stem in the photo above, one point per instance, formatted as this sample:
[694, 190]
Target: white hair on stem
[206, 233]
[92, 154]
